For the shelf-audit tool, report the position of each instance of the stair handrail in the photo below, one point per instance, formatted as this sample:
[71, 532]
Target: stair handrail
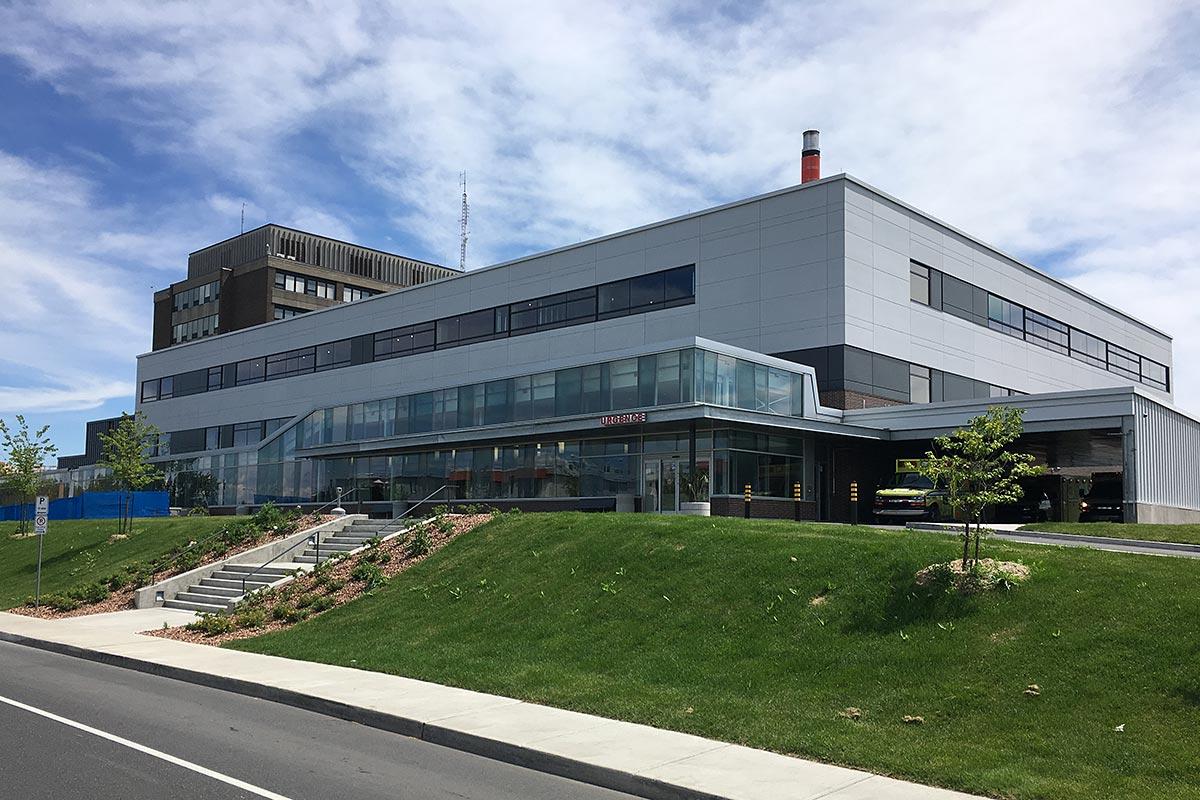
[193, 546]
[444, 487]
[317, 536]
[340, 496]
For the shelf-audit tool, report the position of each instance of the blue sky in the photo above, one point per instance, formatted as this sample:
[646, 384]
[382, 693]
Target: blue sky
[1064, 133]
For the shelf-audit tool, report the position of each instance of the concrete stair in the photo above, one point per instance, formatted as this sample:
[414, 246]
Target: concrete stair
[225, 588]
[351, 538]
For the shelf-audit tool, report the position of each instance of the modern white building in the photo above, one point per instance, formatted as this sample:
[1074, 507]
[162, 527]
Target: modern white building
[798, 340]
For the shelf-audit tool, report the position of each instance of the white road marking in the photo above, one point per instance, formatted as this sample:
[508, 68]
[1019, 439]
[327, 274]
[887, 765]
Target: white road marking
[141, 748]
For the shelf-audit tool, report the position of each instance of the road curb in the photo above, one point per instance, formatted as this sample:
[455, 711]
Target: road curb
[1066, 538]
[1139, 543]
[517, 755]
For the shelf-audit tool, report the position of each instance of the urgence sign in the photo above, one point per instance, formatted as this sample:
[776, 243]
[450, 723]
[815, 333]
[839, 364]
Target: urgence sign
[632, 418]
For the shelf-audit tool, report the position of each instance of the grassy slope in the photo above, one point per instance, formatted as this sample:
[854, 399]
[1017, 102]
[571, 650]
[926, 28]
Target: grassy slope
[78, 551]
[1151, 533]
[738, 653]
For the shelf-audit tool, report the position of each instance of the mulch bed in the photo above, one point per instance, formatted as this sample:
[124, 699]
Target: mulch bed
[980, 576]
[397, 560]
[122, 599]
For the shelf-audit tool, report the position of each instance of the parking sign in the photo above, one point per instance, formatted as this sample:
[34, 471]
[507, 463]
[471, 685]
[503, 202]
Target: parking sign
[41, 515]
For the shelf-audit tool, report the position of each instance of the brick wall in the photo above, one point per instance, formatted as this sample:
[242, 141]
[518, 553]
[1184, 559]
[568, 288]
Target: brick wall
[763, 508]
[846, 399]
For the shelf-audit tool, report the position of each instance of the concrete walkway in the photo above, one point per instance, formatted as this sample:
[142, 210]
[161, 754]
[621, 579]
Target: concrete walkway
[618, 755]
[1010, 533]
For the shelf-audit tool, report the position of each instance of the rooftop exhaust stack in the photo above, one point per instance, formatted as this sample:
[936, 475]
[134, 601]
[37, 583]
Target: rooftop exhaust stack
[810, 158]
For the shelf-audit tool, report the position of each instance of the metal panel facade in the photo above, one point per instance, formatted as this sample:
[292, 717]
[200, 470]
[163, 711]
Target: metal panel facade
[1167, 457]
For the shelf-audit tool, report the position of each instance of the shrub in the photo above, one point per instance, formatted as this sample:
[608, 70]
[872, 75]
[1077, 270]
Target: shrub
[213, 624]
[240, 533]
[188, 560]
[116, 581]
[58, 602]
[374, 554]
[280, 611]
[250, 618]
[420, 544]
[370, 574]
[270, 517]
[322, 603]
[305, 600]
[89, 593]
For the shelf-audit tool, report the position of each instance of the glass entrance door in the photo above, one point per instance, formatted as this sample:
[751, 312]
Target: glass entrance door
[651, 485]
[660, 486]
[670, 487]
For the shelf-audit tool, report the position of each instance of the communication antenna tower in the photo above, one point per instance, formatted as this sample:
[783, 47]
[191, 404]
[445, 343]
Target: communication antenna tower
[463, 232]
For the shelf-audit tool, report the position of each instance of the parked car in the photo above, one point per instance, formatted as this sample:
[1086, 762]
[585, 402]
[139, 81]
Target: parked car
[1105, 501]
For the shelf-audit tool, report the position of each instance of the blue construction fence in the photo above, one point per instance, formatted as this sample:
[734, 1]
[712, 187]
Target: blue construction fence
[95, 505]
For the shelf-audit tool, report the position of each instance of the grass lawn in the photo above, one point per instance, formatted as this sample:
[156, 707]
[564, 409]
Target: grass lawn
[713, 627]
[79, 551]
[1189, 534]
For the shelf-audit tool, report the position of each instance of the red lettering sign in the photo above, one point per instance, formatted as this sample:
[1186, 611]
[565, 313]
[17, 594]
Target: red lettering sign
[631, 418]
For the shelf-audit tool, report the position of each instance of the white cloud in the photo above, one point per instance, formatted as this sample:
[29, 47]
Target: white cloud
[70, 321]
[1042, 127]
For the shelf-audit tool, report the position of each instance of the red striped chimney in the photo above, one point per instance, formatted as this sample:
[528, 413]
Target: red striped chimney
[810, 158]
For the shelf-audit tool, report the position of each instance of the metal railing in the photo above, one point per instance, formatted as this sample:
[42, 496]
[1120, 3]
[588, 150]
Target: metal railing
[315, 540]
[316, 537]
[444, 488]
[192, 547]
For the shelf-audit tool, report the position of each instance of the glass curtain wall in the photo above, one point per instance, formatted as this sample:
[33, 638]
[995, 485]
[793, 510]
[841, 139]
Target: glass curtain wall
[770, 464]
[662, 379]
[571, 468]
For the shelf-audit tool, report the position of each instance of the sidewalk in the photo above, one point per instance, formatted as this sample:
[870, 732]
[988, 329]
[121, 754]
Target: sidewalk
[618, 755]
[1010, 533]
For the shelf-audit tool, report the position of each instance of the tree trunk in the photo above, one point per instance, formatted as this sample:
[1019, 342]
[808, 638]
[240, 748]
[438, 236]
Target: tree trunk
[966, 540]
[977, 537]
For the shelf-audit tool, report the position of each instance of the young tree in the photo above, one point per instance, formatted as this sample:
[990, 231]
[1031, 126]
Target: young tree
[26, 456]
[126, 451]
[976, 467]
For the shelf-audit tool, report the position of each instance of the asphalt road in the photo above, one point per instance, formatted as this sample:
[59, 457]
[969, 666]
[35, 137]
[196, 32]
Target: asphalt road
[280, 751]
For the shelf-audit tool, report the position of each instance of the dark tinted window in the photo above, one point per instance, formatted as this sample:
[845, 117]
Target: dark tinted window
[1006, 317]
[1154, 374]
[251, 371]
[245, 433]
[1124, 362]
[403, 341]
[958, 298]
[1046, 332]
[680, 283]
[918, 275]
[634, 295]
[1088, 348]
[647, 290]
[614, 297]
